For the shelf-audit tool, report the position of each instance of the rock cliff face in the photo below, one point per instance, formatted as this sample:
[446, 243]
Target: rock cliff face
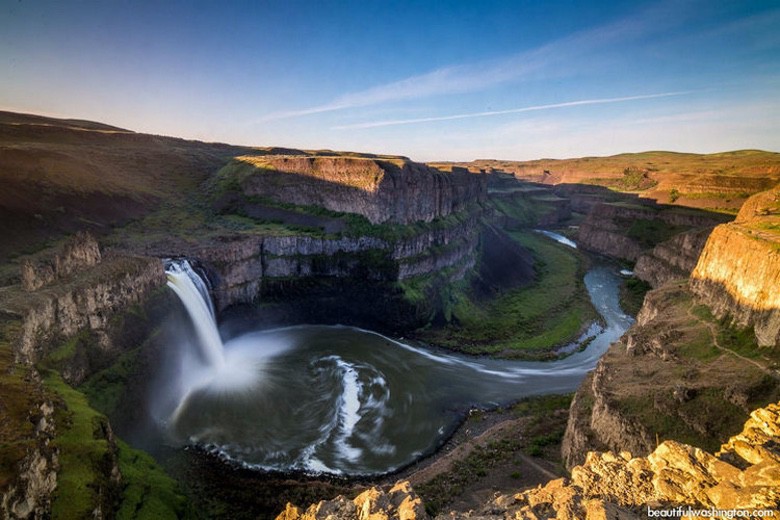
[672, 376]
[673, 259]
[86, 301]
[400, 502]
[744, 474]
[382, 190]
[240, 265]
[738, 273]
[625, 231]
[29, 493]
[76, 254]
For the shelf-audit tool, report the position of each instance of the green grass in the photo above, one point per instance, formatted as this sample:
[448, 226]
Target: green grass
[105, 388]
[17, 401]
[149, 492]
[548, 313]
[740, 340]
[526, 210]
[634, 179]
[699, 346]
[709, 410]
[85, 457]
[82, 451]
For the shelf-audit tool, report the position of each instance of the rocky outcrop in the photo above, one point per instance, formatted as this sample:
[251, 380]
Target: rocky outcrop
[596, 422]
[30, 494]
[382, 190]
[76, 254]
[398, 503]
[738, 273]
[744, 474]
[673, 259]
[86, 301]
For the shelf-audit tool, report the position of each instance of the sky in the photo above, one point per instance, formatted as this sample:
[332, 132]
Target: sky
[432, 80]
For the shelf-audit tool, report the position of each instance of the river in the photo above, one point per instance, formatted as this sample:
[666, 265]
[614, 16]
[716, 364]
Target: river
[341, 400]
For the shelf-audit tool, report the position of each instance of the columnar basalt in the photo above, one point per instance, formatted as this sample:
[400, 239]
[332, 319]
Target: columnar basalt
[625, 231]
[382, 190]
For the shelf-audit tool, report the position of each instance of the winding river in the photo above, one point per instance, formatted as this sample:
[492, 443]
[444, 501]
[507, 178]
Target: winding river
[341, 400]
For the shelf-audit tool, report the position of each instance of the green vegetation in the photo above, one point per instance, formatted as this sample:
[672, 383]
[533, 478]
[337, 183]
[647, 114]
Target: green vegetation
[148, 492]
[740, 340]
[84, 453]
[17, 399]
[105, 388]
[634, 179]
[87, 455]
[704, 421]
[526, 213]
[525, 321]
[699, 346]
[648, 233]
[632, 295]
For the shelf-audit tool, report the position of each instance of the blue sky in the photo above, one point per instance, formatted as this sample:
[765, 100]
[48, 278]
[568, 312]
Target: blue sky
[433, 80]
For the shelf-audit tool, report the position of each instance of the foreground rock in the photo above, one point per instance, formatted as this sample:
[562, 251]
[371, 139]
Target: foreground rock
[744, 474]
[399, 502]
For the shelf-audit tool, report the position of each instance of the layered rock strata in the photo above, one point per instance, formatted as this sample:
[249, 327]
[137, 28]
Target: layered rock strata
[240, 265]
[83, 301]
[669, 377]
[672, 260]
[738, 273]
[76, 254]
[382, 190]
[625, 231]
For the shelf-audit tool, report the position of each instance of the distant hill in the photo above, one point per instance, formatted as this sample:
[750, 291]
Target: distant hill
[719, 181]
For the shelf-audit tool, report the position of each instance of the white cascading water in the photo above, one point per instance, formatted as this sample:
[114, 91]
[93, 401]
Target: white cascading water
[340, 400]
[194, 294]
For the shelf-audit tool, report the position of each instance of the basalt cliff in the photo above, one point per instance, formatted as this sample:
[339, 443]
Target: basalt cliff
[738, 273]
[700, 356]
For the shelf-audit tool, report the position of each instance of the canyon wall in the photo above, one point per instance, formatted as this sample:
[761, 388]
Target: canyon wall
[240, 265]
[76, 254]
[674, 375]
[626, 230]
[673, 259]
[382, 190]
[86, 298]
[738, 273]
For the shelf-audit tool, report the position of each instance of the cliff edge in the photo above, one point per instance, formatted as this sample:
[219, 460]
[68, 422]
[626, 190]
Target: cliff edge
[738, 273]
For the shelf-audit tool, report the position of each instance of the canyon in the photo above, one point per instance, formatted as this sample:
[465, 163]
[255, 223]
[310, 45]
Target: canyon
[288, 237]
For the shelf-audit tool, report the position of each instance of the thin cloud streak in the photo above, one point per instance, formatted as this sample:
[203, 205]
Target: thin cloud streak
[473, 77]
[582, 102]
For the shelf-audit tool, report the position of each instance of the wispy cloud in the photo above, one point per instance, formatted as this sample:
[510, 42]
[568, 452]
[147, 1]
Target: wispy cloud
[530, 64]
[535, 108]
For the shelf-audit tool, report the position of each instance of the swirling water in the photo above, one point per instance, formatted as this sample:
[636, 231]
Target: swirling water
[335, 399]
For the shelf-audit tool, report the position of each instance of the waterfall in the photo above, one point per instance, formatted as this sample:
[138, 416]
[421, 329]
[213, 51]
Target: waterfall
[192, 290]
